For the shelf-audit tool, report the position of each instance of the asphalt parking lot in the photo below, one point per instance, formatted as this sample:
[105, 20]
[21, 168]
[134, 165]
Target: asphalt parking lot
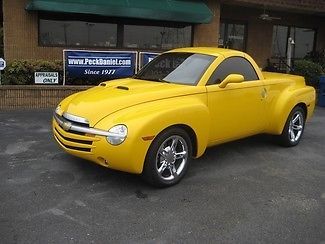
[248, 191]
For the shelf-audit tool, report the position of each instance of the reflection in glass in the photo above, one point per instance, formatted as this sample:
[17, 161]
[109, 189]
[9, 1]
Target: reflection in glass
[279, 41]
[77, 33]
[222, 35]
[304, 41]
[179, 68]
[232, 36]
[236, 36]
[303, 38]
[156, 37]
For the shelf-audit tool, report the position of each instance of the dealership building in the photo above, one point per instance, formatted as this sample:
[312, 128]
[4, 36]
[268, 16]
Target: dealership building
[42, 29]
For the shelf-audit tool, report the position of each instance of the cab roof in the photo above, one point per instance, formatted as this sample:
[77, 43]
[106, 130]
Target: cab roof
[210, 51]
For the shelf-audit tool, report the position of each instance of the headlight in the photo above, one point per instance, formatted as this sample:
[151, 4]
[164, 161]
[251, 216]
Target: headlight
[117, 134]
[58, 110]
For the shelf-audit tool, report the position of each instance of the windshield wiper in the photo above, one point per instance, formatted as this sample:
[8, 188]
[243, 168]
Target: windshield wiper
[150, 79]
[164, 81]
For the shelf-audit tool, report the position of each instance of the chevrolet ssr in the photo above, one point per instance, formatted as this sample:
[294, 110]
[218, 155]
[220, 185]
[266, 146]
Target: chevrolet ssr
[182, 102]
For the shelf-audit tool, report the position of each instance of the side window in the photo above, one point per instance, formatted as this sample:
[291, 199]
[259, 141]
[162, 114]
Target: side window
[233, 65]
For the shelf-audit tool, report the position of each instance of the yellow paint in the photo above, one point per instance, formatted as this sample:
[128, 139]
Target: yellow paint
[215, 114]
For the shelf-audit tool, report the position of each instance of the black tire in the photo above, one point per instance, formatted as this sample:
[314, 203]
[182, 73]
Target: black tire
[294, 127]
[162, 156]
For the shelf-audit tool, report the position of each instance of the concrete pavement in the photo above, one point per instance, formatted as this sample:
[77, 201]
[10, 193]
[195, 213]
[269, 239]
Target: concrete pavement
[248, 191]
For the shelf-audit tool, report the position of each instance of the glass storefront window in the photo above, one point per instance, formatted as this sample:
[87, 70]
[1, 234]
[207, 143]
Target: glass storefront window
[303, 38]
[156, 37]
[85, 31]
[222, 35]
[232, 36]
[304, 41]
[77, 33]
[279, 41]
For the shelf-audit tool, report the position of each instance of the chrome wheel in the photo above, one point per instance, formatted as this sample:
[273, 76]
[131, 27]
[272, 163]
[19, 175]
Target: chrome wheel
[296, 126]
[171, 158]
[168, 158]
[293, 128]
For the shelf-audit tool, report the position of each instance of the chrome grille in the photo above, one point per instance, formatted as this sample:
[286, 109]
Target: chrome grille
[70, 139]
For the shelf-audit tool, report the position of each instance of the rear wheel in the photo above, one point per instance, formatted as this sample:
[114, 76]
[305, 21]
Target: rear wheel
[168, 158]
[294, 127]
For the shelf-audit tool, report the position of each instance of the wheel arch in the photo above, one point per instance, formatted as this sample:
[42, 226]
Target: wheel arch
[190, 132]
[149, 172]
[300, 104]
[304, 107]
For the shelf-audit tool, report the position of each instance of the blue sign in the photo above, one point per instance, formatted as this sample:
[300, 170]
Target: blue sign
[99, 64]
[146, 57]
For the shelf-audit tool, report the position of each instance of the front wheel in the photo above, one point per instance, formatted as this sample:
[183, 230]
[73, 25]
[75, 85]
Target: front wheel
[294, 127]
[168, 158]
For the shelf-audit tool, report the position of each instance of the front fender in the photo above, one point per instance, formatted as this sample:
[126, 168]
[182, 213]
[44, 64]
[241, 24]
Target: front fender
[149, 119]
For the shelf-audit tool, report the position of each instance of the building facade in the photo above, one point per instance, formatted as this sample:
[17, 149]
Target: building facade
[41, 29]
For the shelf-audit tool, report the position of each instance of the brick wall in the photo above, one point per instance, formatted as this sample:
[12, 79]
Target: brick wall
[302, 5]
[21, 34]
[22, 97]
[207, 34]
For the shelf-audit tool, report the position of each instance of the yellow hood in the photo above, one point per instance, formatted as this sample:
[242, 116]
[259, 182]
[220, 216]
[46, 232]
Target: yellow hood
[109, 97]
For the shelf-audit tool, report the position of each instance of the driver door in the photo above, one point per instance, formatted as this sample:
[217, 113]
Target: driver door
[236, 110]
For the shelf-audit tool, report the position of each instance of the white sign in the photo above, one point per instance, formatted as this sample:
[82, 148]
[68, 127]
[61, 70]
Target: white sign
[46, 78]
[2, 64]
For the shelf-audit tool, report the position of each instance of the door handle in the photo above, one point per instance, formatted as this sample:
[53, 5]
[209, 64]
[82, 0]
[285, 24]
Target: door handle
[264, 93]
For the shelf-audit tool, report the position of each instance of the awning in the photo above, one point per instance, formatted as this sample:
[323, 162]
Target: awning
[188, 11]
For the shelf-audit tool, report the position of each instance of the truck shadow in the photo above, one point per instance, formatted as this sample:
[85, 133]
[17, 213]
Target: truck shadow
[236, 156]
[214, 158]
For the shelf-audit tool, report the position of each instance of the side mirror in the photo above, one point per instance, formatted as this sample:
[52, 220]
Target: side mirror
[232, 78]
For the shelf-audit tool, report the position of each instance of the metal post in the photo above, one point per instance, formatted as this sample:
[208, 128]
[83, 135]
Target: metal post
[63, 53]
[289, 53]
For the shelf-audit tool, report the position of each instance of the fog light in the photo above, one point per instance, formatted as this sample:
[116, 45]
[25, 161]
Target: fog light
[102, 161]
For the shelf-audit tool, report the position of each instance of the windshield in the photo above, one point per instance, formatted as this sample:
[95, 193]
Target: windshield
[180, 68]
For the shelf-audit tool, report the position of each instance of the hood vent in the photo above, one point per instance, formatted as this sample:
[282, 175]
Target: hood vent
[123, 88]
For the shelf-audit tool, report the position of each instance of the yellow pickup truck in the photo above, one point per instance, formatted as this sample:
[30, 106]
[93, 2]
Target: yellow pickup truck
[182, 102]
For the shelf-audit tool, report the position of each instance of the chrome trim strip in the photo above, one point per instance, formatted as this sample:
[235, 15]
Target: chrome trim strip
[75, 118]
[67, 124]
